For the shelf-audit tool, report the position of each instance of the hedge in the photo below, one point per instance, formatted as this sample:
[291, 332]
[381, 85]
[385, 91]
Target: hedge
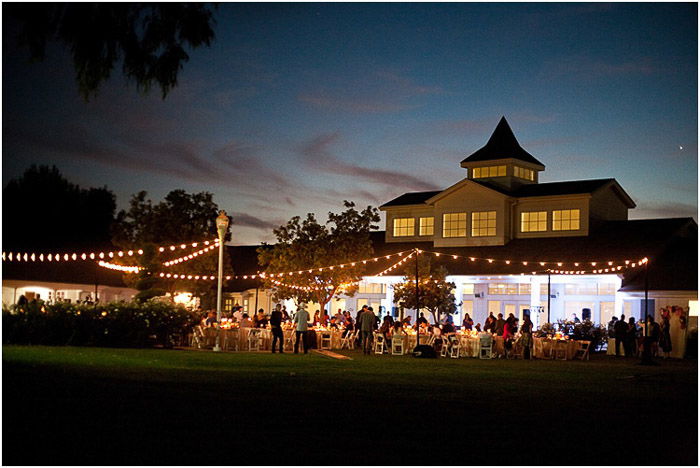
[115, 324]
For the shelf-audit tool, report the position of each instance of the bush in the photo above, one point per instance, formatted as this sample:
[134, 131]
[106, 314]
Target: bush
[116, 324]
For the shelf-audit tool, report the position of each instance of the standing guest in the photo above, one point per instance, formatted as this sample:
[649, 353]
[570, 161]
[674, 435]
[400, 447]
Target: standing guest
[508, 333]
[317, 317]
[526, 336]
[448, 327]
[500, 324]
[359, 313]
[620, 333]
[654, 334]
[339, 317]
[367, 323]
[630, 341]
[665, 337]
[467, 323]
[276, 326]
[478, 327]
[421, 320]
[376, 317]
[611, 327]
[490, 324]
[302, 321]
[285, 314]
[238, 313]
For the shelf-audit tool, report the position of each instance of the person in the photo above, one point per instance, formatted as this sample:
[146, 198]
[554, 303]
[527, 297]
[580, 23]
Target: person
[302, 320]
[261, 319]
[317, 317]
[448, 327]
[665, 338]
[339, 316]
[406, 322]
[211, 319]
[376, 317]
[421, 320]
[285, 314]
[349, 325]
[611, 327]
[366, 322]
[467, 323]
[654, 334]
[500, 323]
[630, 342]
[490, 323]
[362, 310]
[508, 333]
[238, 313]
[620, 333]
[576, 319]
[276, 326]
[246, 322]
[385, 329]
[478, 327]
[526, 336]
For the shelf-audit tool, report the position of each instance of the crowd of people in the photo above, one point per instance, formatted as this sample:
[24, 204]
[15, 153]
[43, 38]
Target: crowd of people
[630, 335]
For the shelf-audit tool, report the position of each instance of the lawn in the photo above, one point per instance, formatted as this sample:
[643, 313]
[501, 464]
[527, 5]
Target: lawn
[77, 406]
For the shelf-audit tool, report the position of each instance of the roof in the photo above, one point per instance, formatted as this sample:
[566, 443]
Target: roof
[411, 198]
[502, 145]
[670, 244]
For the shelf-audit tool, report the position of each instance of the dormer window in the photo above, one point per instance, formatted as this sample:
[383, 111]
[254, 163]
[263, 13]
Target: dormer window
[489, 171]
[521, 172]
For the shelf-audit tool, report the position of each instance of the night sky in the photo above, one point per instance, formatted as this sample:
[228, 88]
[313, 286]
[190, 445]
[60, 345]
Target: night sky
[296, 107]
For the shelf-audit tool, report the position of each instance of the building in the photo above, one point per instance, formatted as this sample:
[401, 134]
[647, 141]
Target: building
[524, 237]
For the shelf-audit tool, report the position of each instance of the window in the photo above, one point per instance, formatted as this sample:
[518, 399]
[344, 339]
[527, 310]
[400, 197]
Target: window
[494, 306]
[404, 227]
[533, 221]
[483, 223]
[468, 288]
[607, 310]
[523, 173]
[454, 225]
[228, 304]
[491, 171]
[607, 289]
[575, 307]
[503, 288]
[371, 288]
[524, 288]
[566, 220]
[581, 289]
[426, 226]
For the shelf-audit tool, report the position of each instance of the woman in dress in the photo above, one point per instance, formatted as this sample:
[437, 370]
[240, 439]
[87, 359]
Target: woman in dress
[467, 323]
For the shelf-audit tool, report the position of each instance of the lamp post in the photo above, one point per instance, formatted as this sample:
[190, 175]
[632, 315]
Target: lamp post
[221, 227]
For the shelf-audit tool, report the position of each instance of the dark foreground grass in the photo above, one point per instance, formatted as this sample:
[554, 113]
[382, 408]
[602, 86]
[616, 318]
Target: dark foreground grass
[76, 406]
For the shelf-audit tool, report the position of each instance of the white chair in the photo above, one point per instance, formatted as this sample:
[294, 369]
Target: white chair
[397, 347]
[198, 338]
[348, 341]
[455, 346]
[485, 346]
[582, 348]
[231, 338]
[254, 339]
[445, 346]
[379, 343]
[326, 340]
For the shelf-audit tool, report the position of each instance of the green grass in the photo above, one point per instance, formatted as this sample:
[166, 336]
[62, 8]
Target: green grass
[127, 406]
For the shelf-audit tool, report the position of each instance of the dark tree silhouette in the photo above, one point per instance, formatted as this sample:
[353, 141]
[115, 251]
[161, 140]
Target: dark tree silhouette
[42, 210]
[149, 39]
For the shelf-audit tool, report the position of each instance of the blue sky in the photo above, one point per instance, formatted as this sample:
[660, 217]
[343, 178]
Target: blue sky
[296, 107]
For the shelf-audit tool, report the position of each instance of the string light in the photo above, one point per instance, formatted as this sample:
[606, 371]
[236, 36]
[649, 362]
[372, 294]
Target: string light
[122, 268]
[191, 256]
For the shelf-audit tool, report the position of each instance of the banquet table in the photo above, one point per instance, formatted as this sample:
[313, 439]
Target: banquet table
[469, 345]
[228, 335]
[545, 347]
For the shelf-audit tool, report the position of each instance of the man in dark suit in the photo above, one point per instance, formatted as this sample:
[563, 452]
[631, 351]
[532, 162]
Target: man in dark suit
[276, 326]
[620, 333]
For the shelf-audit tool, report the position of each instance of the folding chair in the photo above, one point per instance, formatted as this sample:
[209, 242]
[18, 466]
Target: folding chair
[485, 346]
[559, 350]
[379, 343]
[231, 338]
[455, 346]
[444, 346]
[254, 339]
[198, 338]
[582, 348]
[397, 348]
[326, 340]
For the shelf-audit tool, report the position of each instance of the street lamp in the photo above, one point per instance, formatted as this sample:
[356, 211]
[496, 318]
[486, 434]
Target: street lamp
[221, 227]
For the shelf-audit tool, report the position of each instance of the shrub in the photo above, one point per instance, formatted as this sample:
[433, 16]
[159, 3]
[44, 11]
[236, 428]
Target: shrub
[116, 324]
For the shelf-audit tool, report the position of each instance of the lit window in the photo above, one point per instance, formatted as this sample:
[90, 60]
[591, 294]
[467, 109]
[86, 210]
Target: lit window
[524, 288]
[533, 221]
[566, 220]
[468, 288]
[483, 223]
[607, 289]
[371, 288]
[404, 227]
[426, 226]
[454, 225]
[523, 173]
[503, 288]
[490, 171]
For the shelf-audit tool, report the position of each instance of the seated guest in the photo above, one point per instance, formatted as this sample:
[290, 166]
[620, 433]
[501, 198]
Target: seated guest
[211, 319]
[246, 322]
[397, 329]
[407, 322]
[349, 325]
[333, 323]
[448, 328]
[385, 328]
[490, 324]
[478, 327]
[260, 319]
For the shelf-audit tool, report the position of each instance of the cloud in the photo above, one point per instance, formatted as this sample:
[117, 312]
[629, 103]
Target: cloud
[651, 209]
[382, 91]
[581, 67]
[317, 154]
[246, 220]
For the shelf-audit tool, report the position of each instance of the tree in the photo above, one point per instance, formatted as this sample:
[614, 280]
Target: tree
[434, 292]
[303, 245]
[149, 39]
[43, 210]
[181, 218]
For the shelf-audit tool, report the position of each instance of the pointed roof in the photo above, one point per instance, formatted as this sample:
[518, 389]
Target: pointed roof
[502, 145]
